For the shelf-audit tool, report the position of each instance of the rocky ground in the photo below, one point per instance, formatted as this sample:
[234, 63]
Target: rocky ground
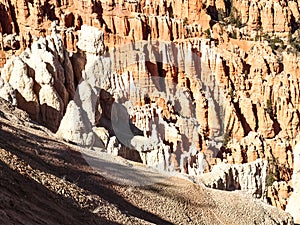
[182, 86]
[44, 181]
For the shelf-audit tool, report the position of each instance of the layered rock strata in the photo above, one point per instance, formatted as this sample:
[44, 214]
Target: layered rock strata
[171, 84]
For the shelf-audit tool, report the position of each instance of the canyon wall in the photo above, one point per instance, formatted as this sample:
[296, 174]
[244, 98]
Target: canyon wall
[176, 85]
[293, 203]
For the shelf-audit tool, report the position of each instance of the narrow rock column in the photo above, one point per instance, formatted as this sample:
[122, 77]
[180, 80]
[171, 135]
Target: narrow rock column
[293, 206]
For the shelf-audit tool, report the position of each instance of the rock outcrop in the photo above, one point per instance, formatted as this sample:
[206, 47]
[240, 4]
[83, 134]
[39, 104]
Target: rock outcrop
[248, 177]
[293, 202]
[83, 113]
[42, 79]
[279, 193]
[42, 169]
[177, 85]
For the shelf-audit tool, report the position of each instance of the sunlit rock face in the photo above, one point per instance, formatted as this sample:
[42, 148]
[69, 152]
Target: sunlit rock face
[176, 85]
[42, 78]
[249, 177]
[146, 99]
[293, 202]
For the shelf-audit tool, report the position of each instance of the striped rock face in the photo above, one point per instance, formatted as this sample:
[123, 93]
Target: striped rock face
[293, 203]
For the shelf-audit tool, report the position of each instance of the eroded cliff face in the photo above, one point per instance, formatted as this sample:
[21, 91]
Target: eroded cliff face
[293, 206]
[41, 79]
[176, 85]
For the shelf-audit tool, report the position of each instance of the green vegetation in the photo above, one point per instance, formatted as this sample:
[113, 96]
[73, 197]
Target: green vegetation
[208, 33]
[272, 171]
[295, 43]
[232, 94]
[277, 44]
[185, 21]
[269, 109]
[235, 18]
[226, 139]
[233, 34]
[221, 15]
[257, 37]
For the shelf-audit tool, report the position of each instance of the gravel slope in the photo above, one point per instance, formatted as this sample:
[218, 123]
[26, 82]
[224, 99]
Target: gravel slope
[45, 181]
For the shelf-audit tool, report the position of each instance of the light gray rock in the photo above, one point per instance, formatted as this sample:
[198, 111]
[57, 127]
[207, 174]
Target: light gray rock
[7, 92]
[248, 177]
[43, 80]
[86, 98]
[91, 40]
[76, 127]
[90, 73]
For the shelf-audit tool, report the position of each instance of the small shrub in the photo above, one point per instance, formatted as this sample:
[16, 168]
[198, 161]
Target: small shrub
[221, 15]
[235, 18]
[231, 93]
[185, 21]
[276, 43]
[272, 171]
[269, 109]
[257, 37]
[208, 33]
[233, 34]
[294, 42]
[226, 139]
[266, 37]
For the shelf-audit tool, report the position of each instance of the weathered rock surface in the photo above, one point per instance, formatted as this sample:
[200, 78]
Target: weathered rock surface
[48, 174]
[279, 193]
[42, 79]
[83, 113]
[293, 202]
[74, 127]
[189, 95]
[248, 177]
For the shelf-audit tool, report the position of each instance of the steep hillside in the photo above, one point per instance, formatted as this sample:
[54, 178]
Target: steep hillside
[45, 181]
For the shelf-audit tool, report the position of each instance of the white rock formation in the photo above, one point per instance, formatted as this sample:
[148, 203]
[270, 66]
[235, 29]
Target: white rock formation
[80, 117]
[89, 62]
[86, 98]
[91, 40]
[84, 111]
[16, 74]
[113, 146]
[43, 80]
[75, 127]
[248, 177]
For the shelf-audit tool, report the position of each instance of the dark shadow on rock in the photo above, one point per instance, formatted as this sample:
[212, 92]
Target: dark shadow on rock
[32, 108]
[43, 114]
[78, 61]
[71, 165]
[5, 20]
[70, 20]
[50, 117]
[49, 10]
[115, 118]
[23, 200]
